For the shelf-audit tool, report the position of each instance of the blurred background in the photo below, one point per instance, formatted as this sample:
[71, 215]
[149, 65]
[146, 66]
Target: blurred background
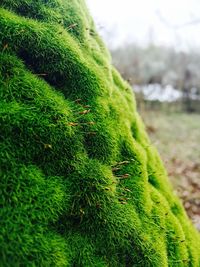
[155, 45]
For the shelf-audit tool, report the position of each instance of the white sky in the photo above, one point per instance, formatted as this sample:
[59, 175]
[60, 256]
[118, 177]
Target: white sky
[138, 21]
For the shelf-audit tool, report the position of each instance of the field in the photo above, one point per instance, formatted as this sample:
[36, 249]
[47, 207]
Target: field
[177, 137]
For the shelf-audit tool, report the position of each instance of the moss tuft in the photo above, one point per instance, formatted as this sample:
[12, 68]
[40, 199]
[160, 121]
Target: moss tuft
[81, 185]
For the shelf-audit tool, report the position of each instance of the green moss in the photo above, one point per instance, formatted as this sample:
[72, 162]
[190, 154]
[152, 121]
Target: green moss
[81, 185]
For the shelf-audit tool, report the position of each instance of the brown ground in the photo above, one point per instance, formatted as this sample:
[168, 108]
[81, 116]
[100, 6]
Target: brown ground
[177, 137]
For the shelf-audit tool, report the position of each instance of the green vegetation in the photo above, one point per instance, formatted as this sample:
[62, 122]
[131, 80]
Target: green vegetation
[81, 185]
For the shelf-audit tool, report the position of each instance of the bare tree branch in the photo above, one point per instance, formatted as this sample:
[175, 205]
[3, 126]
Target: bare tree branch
[176, 26]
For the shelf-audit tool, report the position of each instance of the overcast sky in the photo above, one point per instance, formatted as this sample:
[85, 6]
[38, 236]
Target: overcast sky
[163, 22]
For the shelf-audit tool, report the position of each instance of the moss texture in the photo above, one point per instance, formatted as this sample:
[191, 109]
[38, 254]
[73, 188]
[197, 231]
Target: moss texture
[81, 185]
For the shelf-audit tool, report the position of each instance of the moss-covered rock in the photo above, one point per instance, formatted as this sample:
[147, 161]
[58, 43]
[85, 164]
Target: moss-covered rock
[81, 185]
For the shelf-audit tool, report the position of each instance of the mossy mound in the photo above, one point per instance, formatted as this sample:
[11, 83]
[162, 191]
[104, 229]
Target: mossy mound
[81, 185]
